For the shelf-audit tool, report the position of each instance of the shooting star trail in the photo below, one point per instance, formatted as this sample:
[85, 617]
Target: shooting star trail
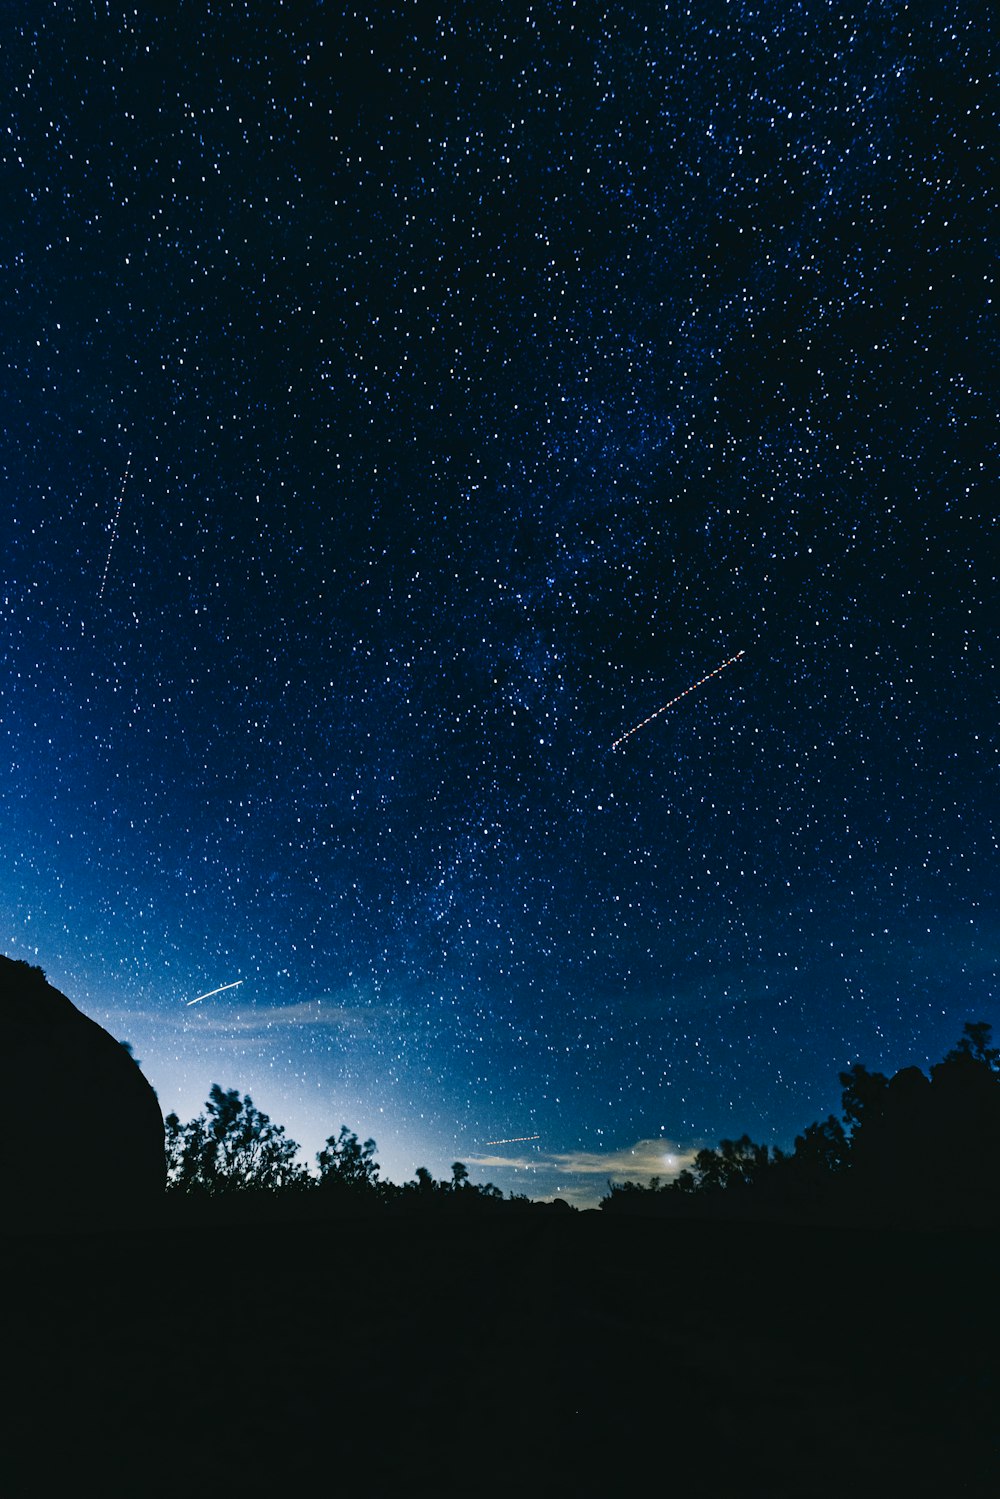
[514, 1140]
[114, 528]
[693, 688]
[235, 985]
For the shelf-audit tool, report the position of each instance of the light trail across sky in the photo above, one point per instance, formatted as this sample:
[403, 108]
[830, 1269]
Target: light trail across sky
[234, 985]
[114, 527]
[693, 688]
[514, 1140]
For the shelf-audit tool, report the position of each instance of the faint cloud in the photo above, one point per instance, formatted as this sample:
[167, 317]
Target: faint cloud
[227, 1019]
[273, 1017]
[643, 1160]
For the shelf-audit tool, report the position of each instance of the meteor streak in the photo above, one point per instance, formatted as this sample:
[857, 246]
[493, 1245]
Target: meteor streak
[694, 685]
[514, 1140]
[114, 528]
[234, 985]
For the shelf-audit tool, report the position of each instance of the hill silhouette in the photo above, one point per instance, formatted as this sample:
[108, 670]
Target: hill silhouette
[81, 1133]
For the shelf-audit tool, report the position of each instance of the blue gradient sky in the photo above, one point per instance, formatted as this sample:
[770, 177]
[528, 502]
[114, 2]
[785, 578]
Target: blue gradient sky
[484, 377]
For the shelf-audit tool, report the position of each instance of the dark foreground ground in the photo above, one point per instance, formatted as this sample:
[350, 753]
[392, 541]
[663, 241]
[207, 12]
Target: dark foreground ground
[550, 1355]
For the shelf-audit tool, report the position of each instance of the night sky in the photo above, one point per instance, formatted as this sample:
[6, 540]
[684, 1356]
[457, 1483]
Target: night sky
[400, 404]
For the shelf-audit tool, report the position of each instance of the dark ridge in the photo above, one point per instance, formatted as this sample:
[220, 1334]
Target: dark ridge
[81, 1133]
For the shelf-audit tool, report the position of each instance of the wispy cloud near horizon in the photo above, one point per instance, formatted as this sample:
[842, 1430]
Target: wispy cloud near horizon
[645, 1159]
[270, 1017]
[250, 1020]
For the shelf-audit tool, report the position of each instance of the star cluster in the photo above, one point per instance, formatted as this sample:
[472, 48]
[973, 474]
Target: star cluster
[402, 404]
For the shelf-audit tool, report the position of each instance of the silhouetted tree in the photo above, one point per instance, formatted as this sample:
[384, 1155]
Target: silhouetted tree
[458, 1194]
[234, 1148]
[926, 1149]
[975, 1046]
[822, 1149]
[920, 1148]
[863, 1097]
[347, 1166]
[186, 1147]
[420, 1195]
[631, 1197]
[736, 1163]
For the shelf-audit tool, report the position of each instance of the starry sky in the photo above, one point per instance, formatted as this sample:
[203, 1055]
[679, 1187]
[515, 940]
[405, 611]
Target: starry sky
[402, 402]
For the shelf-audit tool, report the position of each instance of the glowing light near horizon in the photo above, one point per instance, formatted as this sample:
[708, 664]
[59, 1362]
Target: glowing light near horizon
[114, 533]
[693, 688]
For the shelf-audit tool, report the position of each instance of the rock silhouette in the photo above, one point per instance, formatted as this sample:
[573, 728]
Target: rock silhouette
[81, 1132]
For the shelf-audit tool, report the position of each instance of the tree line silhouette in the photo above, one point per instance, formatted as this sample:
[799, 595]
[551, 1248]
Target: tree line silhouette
[909, 1149]
[233, 1147]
